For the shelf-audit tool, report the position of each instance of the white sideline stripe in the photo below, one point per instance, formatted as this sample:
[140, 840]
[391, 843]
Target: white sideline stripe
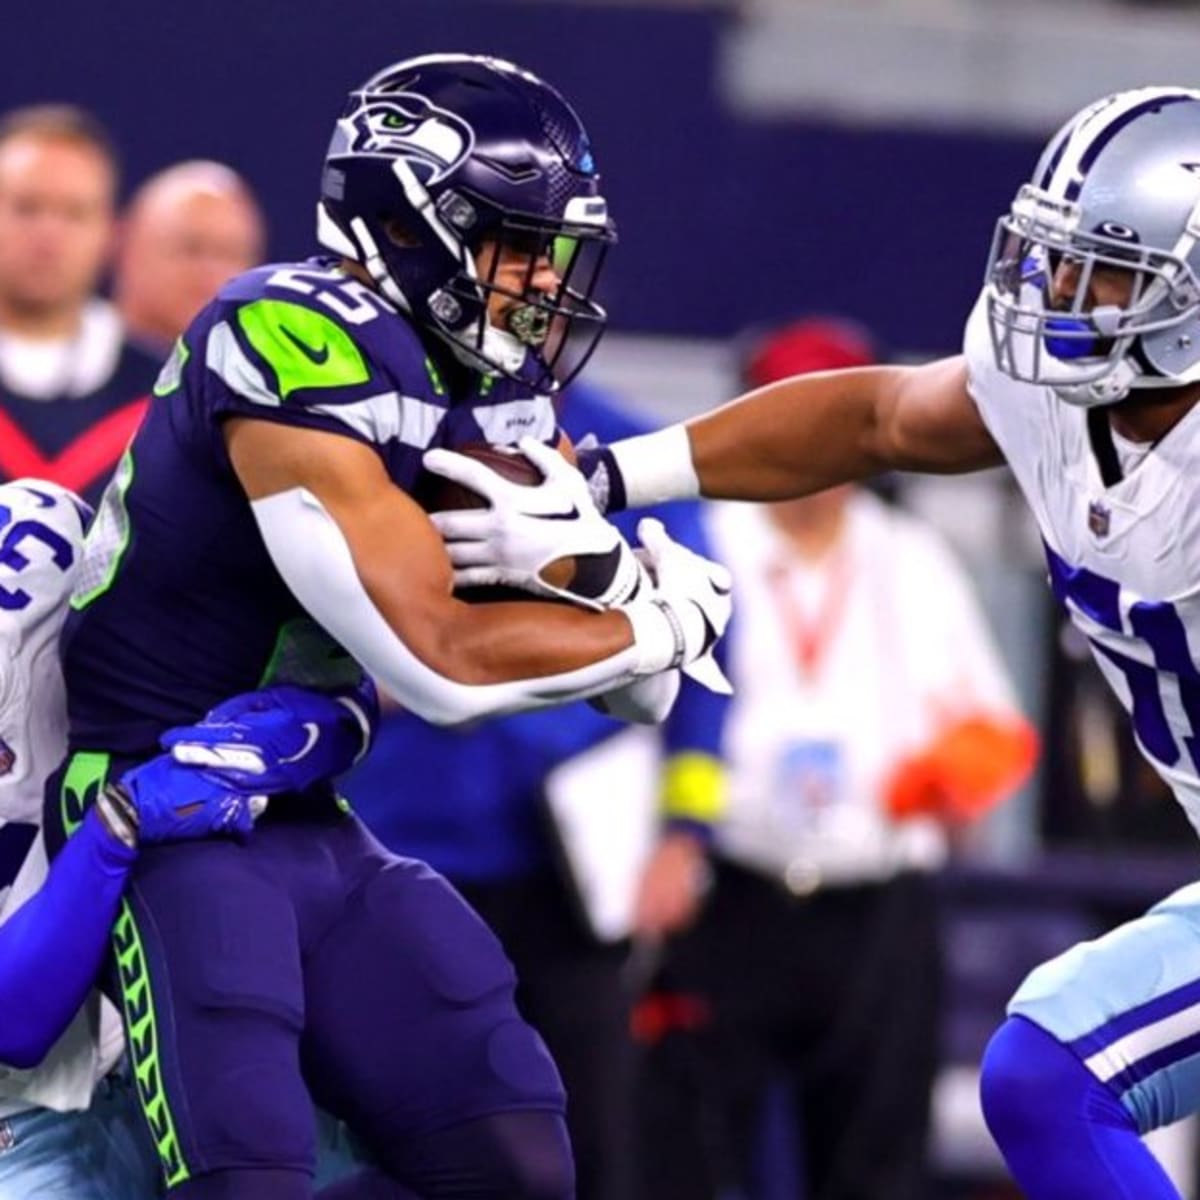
[1139, 1044]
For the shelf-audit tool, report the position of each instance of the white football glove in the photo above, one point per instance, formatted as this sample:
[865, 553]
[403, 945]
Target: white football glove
[648, 700]
[695, 596]
[524, 529]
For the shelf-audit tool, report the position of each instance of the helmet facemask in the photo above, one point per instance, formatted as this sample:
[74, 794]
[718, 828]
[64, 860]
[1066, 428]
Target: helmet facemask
[1089, 354]
[555, 331]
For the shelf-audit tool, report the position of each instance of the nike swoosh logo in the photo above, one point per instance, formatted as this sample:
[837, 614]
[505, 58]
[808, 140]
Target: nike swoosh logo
[313, 732]
[315, 354]
[570, 515]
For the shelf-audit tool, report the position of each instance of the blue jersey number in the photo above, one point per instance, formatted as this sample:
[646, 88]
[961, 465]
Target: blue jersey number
[18, 538]
[1158, 625]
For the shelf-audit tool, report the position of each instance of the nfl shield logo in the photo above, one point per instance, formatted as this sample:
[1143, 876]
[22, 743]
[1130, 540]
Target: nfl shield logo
[1098, 518]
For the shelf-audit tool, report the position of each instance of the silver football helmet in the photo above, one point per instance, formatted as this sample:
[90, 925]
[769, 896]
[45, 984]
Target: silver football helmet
[1117, 188]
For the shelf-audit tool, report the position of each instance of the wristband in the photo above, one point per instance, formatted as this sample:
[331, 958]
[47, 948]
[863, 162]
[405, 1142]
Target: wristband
[676, 630]
[656, 466]
[118, 814]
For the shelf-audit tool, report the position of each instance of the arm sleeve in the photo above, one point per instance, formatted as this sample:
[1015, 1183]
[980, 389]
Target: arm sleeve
[311, 554]
[52, 947]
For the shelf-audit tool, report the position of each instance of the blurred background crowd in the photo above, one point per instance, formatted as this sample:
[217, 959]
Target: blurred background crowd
[768, 942]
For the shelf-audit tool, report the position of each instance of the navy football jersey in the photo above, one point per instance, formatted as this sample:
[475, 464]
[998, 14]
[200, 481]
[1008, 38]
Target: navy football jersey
[178, 605]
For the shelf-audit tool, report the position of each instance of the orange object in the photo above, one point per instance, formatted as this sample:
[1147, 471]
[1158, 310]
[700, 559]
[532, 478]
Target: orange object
[966, 772]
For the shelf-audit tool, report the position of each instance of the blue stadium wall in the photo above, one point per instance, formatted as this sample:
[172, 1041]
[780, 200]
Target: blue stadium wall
[723, 220]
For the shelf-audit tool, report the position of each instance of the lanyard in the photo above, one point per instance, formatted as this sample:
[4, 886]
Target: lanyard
[810, 637]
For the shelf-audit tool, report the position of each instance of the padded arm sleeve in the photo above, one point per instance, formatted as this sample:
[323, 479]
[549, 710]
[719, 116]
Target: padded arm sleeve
[52, 947]
[311, 553]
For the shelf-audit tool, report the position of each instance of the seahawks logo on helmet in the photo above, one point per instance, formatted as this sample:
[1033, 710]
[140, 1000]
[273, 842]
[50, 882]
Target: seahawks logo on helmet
[431, 140]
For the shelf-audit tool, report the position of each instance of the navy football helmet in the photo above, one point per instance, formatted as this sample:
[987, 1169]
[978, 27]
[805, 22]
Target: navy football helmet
[437, 155]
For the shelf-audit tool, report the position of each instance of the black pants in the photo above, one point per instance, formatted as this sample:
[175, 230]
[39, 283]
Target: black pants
[839, 992]
[572, 991]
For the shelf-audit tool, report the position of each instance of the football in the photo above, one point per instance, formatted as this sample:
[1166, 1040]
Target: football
[438, 494]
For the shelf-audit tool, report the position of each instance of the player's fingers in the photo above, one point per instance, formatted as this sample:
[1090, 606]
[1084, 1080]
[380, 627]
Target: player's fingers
[468, 524]
[653, 535]
[478, 577]
[470, 554]
[219, 757]
[707, 672]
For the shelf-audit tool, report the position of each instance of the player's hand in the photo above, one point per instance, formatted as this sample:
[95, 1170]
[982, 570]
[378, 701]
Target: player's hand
[698, 592]
[672, 885]
[280, 739]
[524, 529]
[163, 801]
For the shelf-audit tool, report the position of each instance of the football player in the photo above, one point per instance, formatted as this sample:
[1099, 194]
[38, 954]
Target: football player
[1081, 370]
[262, 528]
[68, 1119]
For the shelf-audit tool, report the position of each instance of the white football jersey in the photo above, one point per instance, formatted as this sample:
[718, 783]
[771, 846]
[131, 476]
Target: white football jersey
[41, 533]
[1124, 560]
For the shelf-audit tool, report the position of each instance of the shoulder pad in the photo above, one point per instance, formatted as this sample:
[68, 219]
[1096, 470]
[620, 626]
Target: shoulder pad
[305, 333]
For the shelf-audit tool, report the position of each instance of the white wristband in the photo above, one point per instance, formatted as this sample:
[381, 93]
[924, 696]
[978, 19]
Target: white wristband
[656, 467]
[655, 636]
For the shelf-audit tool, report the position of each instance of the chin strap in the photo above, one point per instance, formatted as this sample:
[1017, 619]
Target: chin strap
[1114, 386]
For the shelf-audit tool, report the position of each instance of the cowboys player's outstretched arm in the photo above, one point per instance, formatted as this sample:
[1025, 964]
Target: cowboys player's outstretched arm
[803, 434]
[368, 565]
[814, 431]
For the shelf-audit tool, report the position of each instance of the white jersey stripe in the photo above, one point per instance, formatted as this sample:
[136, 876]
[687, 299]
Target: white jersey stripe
[389, 417]
[228, 360]
[1106, 1064]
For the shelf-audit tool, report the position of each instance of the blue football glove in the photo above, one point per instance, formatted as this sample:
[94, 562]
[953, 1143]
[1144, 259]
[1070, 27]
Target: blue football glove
[280, 739]
[162, 801]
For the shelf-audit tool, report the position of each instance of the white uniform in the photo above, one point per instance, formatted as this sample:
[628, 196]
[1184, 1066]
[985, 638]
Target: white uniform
[900, 651]
[1125, 561]
[41, 531]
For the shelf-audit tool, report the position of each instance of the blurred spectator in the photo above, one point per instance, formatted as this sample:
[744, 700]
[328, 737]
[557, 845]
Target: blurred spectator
[186, 231]
[871, 720]
[72, 389]
[473, 806]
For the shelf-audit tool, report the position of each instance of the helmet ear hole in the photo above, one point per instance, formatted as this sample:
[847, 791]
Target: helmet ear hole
[399, 233]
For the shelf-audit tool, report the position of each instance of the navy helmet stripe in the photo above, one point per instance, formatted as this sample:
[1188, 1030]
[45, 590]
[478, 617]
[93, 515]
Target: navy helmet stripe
[1056, 157]
[1110, 131]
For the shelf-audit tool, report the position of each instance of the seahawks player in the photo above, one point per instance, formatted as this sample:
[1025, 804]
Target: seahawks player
[1081, 369]
[68, 1120]
[263, 528]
